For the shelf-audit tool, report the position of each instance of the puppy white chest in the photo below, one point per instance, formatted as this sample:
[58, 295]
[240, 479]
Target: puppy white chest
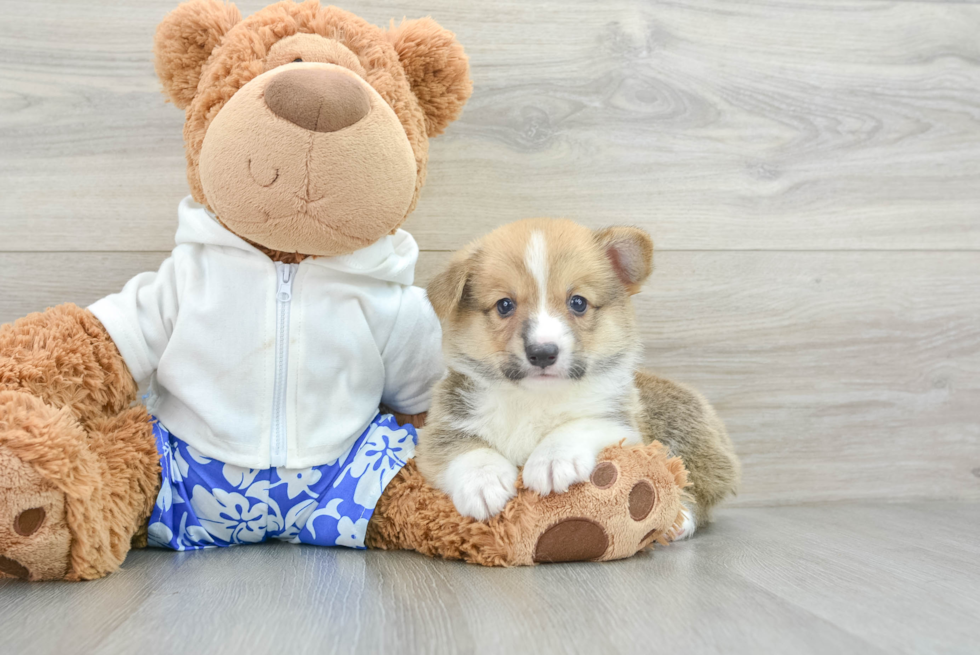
[514, 419]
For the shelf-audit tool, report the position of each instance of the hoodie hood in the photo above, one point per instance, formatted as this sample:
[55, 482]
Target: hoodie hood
[390, 259]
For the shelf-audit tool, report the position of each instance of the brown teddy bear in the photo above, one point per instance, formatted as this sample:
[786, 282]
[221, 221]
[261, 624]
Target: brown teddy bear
[283, 319]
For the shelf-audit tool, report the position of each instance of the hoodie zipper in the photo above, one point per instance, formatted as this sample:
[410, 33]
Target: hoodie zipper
[285, 274]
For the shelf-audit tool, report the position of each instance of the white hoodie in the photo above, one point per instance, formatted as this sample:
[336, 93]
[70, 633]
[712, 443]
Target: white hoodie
[262, 364]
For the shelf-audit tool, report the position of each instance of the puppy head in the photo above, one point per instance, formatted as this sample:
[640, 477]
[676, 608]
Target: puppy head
[543, 300]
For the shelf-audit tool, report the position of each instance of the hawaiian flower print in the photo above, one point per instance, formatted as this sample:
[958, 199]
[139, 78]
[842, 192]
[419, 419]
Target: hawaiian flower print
[351, 533]
[204, 503]
[237, 476]
[376, 462]
[228, 516]
[299, 481]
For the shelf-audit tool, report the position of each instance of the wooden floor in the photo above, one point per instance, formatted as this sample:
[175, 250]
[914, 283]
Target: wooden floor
[834, 578]
[810, 172]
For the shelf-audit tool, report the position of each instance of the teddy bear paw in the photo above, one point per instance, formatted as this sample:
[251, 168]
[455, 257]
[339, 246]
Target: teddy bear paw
[631, 500]
[34, 538]
[35, 541]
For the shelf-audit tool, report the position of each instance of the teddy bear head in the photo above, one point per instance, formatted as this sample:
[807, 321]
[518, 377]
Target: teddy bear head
[306, 127]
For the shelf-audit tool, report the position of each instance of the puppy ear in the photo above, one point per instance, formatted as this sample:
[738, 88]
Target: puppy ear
[445, 290]
[630, 251]
[184, 41]
[437, 68]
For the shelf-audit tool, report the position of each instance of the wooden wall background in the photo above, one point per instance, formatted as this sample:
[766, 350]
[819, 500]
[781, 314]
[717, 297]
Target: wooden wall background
[810, 172]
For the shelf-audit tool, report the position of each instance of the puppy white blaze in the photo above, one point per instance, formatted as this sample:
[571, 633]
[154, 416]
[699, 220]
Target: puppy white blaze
[546, 328]
[536, 260]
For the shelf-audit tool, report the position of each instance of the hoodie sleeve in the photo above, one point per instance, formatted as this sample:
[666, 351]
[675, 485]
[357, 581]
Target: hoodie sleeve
[413, 355]
[140, 318]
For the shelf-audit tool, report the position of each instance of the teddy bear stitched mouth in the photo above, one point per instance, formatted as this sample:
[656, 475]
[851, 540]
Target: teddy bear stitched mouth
[251, 173]
[304, 198]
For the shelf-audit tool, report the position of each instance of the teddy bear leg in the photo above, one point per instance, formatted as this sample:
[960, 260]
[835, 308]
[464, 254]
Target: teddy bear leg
[125, 448]
[632, 500]
[78, 465]
[71, 499]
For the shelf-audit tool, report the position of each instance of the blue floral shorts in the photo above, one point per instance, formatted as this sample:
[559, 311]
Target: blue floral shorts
[204, 503]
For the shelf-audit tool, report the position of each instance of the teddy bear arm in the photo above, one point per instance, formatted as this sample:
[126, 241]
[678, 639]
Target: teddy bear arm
[66, 358]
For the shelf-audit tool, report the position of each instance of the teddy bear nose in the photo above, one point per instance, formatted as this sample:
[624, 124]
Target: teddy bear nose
[316, 99]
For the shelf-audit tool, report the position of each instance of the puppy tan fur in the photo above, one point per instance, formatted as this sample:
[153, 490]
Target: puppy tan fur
[542, 351]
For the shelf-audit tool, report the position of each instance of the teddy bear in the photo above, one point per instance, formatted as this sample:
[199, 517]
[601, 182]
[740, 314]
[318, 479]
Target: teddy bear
[283, 319]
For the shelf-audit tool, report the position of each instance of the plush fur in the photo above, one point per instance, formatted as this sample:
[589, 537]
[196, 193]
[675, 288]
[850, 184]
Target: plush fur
[436, 68]
[566, 288]
[185, 40]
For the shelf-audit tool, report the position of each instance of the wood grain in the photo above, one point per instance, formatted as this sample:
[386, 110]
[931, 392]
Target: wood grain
[849, 124]
[840, 375]
[827, 578]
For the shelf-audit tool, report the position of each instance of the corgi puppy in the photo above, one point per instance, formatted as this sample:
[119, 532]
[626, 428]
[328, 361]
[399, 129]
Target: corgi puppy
[541, 345]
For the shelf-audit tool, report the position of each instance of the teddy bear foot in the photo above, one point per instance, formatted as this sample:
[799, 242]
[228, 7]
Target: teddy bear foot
[632, 500]
[34, 538]
[71, 497]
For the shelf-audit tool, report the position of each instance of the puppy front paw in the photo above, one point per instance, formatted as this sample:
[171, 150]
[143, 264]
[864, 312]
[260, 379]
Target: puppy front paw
[480, 483]
[557, 466]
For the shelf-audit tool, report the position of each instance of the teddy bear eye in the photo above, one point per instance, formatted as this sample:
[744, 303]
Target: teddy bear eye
[298, 59]
[505, 307]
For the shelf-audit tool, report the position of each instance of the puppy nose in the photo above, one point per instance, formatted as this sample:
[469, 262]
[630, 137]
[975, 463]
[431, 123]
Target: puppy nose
[316, 99]
[542, 354]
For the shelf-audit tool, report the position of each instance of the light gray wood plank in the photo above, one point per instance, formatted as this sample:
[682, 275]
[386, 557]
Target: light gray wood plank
[865, 569]
[717, 125]
[31, 282]
[826, 578]
[840, 375]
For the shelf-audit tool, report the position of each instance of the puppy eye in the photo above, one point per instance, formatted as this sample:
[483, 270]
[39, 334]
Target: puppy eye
[578, 304]
[506, 306]
[298, 59]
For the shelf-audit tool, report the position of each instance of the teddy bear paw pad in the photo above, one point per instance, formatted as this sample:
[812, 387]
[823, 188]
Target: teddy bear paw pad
[642, 499]
[572, 540]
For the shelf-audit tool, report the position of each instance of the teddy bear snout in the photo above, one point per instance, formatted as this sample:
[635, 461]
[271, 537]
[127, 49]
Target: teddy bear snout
[317, 99]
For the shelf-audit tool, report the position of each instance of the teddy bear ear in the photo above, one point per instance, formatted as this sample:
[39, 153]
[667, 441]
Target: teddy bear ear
[437, 68]
[184, 41]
